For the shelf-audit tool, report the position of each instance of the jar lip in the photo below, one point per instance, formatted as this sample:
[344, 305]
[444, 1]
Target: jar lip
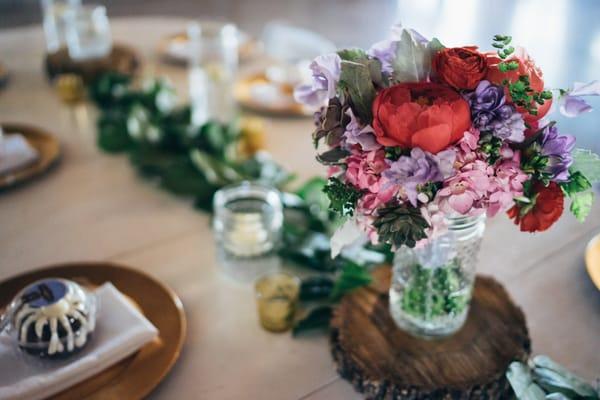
[247, 189]
[459, 221]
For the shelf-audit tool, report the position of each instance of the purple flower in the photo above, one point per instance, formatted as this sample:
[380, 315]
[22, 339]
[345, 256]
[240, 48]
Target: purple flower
[419, 168]
[326, 74]
[571, 103]
[558, 150]
[357, 134]
[490, 112]
[385, 52]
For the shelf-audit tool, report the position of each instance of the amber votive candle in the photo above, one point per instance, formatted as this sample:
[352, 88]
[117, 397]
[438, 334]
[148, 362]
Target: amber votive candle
[276, 299]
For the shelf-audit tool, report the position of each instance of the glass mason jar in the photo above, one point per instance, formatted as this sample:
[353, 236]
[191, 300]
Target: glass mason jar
[432, 284]
[248, 218]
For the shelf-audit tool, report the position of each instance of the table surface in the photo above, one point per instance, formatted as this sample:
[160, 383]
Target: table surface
[94, 207]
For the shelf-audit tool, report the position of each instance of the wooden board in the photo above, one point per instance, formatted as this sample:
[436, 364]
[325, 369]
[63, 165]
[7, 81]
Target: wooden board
[383, 362]
[122, 59]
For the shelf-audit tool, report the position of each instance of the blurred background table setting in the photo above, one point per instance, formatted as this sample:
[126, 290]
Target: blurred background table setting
[154, 157]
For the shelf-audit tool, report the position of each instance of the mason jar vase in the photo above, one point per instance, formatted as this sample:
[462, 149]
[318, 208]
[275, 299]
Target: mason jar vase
[432, 284]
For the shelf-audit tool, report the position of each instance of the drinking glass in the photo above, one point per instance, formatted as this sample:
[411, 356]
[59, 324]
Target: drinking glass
[88, 32]
[54, 24]
[213, 65]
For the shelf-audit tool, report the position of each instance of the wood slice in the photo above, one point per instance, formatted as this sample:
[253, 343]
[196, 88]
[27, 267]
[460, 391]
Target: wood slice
[122, 59]
[383, 362]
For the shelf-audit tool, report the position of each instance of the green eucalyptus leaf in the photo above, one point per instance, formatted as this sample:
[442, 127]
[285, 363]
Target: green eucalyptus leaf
[521, 381]
[318, 318]
[412, 62]
[353, 54]
[587, 163]
[554, 377]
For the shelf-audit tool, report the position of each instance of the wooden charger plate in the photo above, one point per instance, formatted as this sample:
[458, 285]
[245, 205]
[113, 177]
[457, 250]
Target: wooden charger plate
[122, 59]
[135, 376]
[48, 149]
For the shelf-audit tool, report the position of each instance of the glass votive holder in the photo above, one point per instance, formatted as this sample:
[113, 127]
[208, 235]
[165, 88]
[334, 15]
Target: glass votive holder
[54, 24]
[88, 32]
[248, 218]
[276, 299]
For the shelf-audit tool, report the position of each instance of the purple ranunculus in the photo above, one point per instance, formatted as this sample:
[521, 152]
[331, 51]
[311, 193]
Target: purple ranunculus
[361, 135]
[325, 74]
[558, 150]
[419, 168]
[490, 112]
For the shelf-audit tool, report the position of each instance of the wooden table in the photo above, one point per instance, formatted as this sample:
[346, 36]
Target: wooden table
[94, 207]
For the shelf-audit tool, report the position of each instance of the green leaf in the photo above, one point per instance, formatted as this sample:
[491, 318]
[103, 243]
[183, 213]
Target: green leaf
[343, 197]
[581, 205]
[587, 163]
[521, 381]
[352, 277]
[318, 318]
[355, 78]
[556, 378]
[354, 54]
[316, 288]
[577, 183]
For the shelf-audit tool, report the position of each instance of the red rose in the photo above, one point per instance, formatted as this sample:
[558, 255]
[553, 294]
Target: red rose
[460, 67]
[548, 207]
[426, 115]
[526, 67]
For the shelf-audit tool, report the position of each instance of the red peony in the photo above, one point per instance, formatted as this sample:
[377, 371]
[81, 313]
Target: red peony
[426, 115]
[548, 207]
[526, 67]
[460, 67]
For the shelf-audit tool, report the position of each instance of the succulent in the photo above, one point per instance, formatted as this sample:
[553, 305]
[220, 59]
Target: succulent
[400, 225]
[331, 123]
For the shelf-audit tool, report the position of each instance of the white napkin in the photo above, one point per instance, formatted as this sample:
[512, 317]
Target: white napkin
[15, 153]
[121, 330]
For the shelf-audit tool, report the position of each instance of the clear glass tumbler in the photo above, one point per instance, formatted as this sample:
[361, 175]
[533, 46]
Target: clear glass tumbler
[432, 284]
[53, 12]
[248, 218]
[213, 67]
[88, 32]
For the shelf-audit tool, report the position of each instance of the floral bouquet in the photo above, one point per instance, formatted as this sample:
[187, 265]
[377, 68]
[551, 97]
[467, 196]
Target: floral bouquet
[423, 142]
[416, 132]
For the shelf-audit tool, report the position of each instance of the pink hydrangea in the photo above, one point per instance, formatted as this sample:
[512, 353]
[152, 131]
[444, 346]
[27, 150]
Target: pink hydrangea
[507, 183]
[364, 169]
[465, 192]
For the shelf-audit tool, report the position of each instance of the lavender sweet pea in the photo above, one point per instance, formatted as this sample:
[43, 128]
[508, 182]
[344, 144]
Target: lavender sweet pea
[326, 74]
[571, 103]
[357, 134]
[491, 113]
[419, 168]
[558, 150]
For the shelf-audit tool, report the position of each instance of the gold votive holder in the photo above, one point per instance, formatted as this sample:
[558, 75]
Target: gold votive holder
[70, 88]
[276, 299]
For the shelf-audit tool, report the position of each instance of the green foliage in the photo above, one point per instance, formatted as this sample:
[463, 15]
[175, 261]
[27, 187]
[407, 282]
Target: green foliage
[357, 84]
[578, 189]
[317, 318]
[351, 277]
[432, 292]
[316, 288]
[490, 145]
[587, 163]
[343, 197]
[401, 225]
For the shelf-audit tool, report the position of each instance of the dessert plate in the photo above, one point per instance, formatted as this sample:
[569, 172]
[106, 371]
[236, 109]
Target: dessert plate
[46, 145]
[135, 376]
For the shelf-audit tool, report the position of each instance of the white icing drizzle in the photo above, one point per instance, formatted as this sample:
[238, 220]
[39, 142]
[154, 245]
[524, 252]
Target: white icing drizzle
[71, 306]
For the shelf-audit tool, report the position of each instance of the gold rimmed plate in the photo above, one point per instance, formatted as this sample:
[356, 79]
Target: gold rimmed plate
[257, 93]
[592, 259]
[135, 376]
[48, 149]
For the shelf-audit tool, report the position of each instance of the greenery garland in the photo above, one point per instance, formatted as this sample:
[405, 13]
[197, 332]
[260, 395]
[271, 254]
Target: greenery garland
[163, 145]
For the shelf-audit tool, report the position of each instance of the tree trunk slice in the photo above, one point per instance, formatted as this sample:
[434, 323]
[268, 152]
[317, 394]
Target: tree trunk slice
[122, 59]
[383, 362]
